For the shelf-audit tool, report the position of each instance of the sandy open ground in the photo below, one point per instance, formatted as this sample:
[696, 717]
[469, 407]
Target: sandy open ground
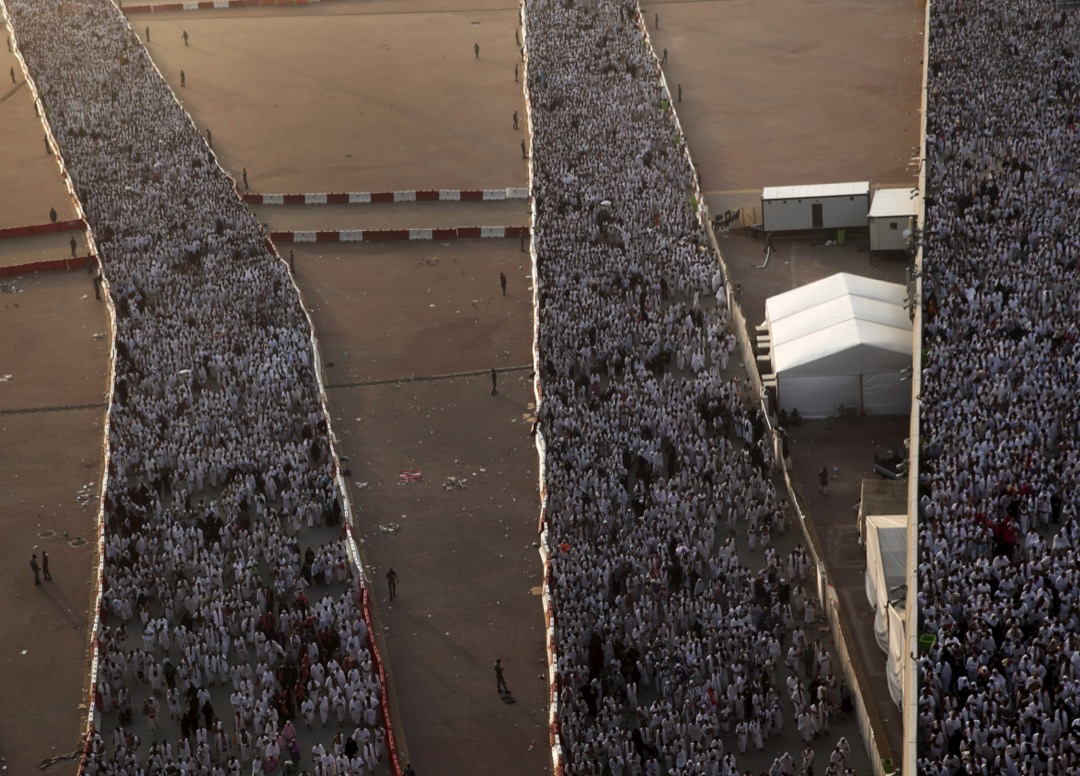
[350, 95]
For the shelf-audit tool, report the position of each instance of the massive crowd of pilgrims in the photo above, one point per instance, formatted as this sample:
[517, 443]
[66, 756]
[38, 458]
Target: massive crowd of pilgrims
[230, 618]
[999, 541]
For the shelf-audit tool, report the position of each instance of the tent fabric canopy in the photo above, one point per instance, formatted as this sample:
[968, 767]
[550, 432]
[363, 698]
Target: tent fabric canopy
[842, 339]
[886, 573]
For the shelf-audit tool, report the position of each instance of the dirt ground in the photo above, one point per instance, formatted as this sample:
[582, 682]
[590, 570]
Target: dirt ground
[398, 101]
[793, 91]
[30, 181]
[51, 431]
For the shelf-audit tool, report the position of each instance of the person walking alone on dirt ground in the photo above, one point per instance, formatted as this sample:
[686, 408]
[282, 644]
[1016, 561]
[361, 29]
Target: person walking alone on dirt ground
[502, 282]
[524, 153]
[36, 569]
[494, 381]
[515, 120]
[74, 246]
[522, 239]
[52, 214]
[500, 680]
[656, 21]
[663, 59]
[185, 37]
[13, 75]
[823, 480]
[391, 583]
[245, 178]
[517, 36]
[147, 34]
[45, 566]
[183, 78]
[476, 49]
[515, 73]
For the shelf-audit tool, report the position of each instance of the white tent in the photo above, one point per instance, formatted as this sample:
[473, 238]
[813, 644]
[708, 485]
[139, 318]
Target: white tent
[886, 575]
[842, 340]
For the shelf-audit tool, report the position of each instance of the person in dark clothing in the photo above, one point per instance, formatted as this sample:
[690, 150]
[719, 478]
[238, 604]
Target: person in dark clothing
[36, 569]
[494, 381]
[52, 214]
[45, 566]
[502, 282]
[500, 680]
[391, 582]
[74, 246]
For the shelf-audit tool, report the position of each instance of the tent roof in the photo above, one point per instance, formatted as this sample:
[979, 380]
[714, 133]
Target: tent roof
[892, 547]
[891, 203]
[834, 315]
[860, 188]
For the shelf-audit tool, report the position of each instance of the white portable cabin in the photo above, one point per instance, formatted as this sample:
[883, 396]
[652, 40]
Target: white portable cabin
[892, 217]
[821, 206]
[844, 340]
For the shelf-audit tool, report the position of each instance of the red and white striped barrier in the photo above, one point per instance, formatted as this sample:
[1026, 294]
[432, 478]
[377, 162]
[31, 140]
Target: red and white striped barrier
[53, 265]
[208, 5]
[75, 224]
[387, 235]
[375, 197]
